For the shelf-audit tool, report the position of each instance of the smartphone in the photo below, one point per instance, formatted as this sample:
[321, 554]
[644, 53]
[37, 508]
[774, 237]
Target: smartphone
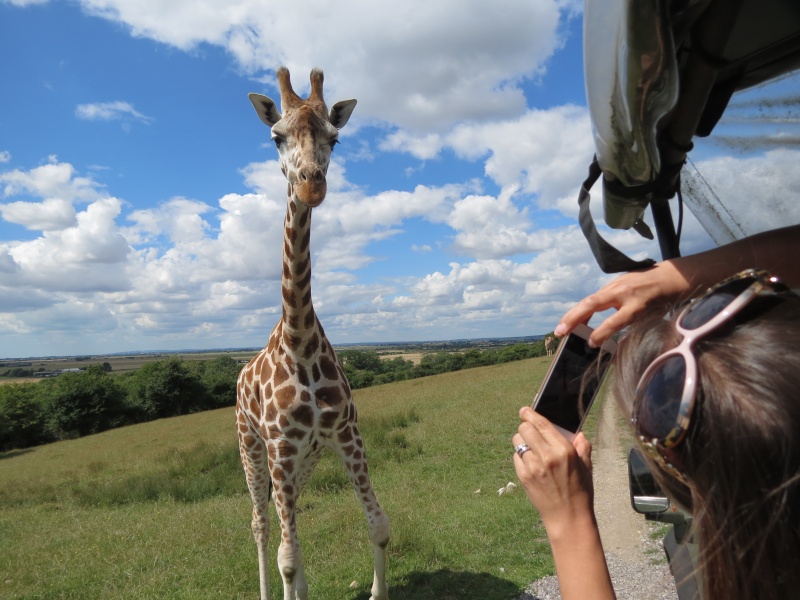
[575, 368]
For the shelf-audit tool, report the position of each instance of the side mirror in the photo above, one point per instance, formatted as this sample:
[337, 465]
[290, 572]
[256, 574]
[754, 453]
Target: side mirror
[646, 495]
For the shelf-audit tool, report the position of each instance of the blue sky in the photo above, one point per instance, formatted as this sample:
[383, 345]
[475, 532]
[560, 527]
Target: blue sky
[141, 203]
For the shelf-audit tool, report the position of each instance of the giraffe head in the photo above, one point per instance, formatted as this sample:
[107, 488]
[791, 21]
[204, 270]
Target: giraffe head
[304, 134]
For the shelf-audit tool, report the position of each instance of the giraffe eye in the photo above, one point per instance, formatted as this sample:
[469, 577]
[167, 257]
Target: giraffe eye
[277, 139]
[333, 142]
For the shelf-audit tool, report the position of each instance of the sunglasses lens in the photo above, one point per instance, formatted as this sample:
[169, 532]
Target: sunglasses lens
[713, 304]
[660, 398]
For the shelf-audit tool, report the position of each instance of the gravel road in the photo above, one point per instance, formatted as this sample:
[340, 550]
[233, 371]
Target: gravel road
[637, 563]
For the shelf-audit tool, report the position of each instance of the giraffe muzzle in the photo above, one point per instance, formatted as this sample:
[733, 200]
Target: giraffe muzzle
[310, 186]
[311, 193]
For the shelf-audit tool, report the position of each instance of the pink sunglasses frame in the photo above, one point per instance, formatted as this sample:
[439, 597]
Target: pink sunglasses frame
[661, 449]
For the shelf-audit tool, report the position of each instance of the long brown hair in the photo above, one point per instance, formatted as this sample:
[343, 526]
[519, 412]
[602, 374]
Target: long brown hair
[742, 452]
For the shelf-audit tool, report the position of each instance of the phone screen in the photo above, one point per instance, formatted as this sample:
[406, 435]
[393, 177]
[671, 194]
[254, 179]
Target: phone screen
[559, 399]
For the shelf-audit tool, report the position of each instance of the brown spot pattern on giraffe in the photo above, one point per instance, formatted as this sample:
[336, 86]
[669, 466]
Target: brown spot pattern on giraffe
[281, 375]
[330, 396]
[303, 415]
[285, 396]
[289, 297]
[328, 418]
[328, 367]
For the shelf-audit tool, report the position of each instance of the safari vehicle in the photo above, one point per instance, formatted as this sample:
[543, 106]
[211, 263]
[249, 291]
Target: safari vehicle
[658, 74]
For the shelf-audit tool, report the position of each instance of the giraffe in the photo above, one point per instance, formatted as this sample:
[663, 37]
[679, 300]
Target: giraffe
[293, 399]
[549, 345]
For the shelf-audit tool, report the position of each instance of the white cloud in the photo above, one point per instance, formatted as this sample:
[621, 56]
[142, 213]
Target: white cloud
[53, 180]
[52, 214]
[186, 269]
[89, 256]
[179, 218]
[5, 156]
[110, 111]
[543, 155]
[417, 64]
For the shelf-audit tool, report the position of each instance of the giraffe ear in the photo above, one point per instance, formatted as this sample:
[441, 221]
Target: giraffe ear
[340, 113]
[266, 109]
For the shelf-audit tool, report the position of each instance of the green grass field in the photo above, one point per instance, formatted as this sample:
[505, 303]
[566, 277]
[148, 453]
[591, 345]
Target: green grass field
[161, 510]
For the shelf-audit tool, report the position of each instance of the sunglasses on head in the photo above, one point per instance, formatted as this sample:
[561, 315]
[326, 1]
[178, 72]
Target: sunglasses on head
[666, 393]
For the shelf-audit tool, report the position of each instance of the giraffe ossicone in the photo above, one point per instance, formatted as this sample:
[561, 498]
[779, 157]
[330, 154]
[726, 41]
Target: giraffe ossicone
[293, 400]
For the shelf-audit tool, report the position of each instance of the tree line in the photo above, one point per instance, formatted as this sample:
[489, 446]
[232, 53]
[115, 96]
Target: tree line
[365, 368]
[76, 404]
[94, 400]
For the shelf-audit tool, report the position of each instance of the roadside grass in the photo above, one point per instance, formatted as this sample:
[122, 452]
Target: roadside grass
[658, 531]
[161, 510]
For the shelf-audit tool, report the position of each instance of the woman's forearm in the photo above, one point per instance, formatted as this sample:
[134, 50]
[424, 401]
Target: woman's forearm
[678, 279]
[580, 562]
[777, 250]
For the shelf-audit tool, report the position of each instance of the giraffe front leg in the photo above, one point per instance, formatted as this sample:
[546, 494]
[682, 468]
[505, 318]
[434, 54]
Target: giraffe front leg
[290, 558]
[379, 536]
[290, 564]
[261, 535]
[254, 461]
[260, 527]
[260, 493]
[380, 589]
[354, 458]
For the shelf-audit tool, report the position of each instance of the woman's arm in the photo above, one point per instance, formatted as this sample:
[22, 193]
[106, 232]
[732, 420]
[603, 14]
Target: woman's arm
[677, 279]
[557, 476]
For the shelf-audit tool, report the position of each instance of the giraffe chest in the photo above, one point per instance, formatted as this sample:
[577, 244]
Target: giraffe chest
[311, 395]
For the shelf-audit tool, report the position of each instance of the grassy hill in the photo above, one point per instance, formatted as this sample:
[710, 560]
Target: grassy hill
[161, 510]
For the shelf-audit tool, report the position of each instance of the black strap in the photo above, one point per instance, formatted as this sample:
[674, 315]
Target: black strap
[607, 256]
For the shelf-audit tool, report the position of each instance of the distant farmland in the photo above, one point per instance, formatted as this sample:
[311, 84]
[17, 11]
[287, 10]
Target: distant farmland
[121, 363]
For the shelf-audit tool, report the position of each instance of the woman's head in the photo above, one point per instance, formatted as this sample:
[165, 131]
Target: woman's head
[741, 453]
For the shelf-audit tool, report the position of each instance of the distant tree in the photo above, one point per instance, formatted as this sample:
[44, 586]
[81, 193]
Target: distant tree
[166, 388]
[361, 360]
[82, 403]
[357, 378]
[515, 352]
[218, 377]
[397, 368]
[19, 372]
[473, 358]
[23, 420]
[431, 363]
[106, 366]
[455, 361]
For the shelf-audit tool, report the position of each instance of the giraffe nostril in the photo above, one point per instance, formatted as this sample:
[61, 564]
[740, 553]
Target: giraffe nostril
[314, 175]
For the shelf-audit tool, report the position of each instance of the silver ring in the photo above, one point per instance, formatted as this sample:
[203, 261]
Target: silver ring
[521, 449]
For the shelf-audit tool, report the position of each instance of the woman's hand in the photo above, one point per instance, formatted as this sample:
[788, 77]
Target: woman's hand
[557, 476]
[630, 294]
[556, 473]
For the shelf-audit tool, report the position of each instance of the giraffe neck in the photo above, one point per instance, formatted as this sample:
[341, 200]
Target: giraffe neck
[299, 321]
